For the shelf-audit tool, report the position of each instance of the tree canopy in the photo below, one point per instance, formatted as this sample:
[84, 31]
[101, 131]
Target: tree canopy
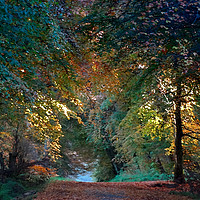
[153, 46]
[126, 71]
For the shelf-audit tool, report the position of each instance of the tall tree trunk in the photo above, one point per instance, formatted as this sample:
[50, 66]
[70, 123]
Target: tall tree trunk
[2, 167]
[12, 165]
[178, 172]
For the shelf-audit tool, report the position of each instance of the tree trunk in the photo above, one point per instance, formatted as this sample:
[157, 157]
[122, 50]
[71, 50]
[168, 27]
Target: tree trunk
[111, 154]
[2, 167]
[12, 165]
[160, 166]
[178, 172]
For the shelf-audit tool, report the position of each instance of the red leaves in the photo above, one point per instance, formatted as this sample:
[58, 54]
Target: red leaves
[164, 51]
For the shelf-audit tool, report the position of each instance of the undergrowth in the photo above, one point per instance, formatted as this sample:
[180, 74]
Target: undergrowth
[17, 187]
[138, 176]
[11, 189]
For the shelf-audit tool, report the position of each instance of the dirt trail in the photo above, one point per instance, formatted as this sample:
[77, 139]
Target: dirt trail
[151, 190]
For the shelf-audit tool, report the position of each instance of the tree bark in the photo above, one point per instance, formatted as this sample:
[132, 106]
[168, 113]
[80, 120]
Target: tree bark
[178, 172]
[2, 167]
[160, 166]
[111, 152]
[12, 165]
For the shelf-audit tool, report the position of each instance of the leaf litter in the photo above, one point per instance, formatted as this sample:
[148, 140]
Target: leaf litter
[148, 190]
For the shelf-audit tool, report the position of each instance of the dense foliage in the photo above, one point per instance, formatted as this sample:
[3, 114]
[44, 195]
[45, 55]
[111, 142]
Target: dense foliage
[119, 77]
[37, 83]
[152, 49]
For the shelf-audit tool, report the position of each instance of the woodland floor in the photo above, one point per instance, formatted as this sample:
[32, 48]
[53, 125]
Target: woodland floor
[150, 190]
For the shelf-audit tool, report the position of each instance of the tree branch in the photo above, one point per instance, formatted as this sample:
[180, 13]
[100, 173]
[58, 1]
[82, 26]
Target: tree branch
[197, 17]
[192, 137]
[198, 133]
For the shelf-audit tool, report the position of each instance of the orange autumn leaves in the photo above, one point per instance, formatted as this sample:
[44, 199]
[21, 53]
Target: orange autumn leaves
[152, 190]
[40, 170]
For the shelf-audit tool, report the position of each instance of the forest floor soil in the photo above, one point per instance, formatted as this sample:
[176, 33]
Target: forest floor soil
[149, 190]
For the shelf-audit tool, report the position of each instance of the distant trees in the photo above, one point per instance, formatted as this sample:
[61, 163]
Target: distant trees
[154, 46]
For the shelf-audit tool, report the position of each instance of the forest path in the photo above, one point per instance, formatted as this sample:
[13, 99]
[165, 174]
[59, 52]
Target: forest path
[151, 190]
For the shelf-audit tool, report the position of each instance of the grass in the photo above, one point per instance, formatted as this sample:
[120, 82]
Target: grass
[59, 178]
[138, 176]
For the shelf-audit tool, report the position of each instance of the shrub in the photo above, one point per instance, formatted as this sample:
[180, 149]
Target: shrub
[37, 174]
[104, 172]
[10, 190]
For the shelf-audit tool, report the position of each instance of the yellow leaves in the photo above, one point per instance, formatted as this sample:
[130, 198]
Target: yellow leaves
[78, 103]
[64, 109]
[2, 134]
[94, 67]
[55, 149]
[67, 112]
[153, 124]
[5, 142]
[80, 121]
[170, 150]
[45, 127]
[191, 125]
[44, 124]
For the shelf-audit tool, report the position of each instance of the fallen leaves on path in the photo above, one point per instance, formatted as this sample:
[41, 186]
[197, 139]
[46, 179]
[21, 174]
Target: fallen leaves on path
[150, 190]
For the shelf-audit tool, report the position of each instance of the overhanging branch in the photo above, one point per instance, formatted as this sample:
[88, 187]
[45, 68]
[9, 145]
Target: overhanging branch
[188, 135]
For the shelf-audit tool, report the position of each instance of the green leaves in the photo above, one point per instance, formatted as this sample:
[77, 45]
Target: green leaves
[37, 71]
[152, 47]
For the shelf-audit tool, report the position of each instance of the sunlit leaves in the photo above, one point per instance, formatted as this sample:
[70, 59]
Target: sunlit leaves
[37, 72]
[153, 48]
